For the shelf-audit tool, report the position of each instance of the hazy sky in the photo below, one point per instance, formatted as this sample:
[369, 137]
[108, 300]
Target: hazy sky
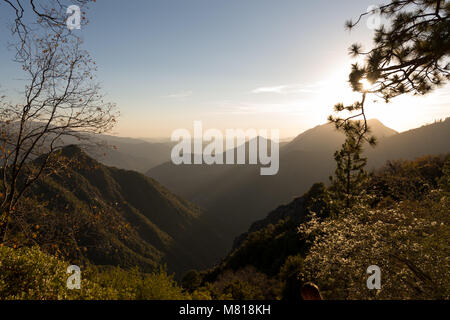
[273, 64]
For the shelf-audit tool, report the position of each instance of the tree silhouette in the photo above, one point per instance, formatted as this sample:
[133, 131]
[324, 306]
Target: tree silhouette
[60, 100]
[410, 55]
[348, 183]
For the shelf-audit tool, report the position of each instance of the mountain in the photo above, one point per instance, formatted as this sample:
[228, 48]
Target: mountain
[237, 195]
[180, 178]
[324, 137]
[123, 153]
[110, 216]
[127, 153]
[429, 139]
[273, 246]
[269, 241]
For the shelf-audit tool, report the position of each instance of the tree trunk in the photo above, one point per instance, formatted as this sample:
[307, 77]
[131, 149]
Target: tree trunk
[4, 222]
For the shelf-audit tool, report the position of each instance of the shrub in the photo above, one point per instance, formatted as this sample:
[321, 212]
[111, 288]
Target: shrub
[409, 242]
[289, 274]
[30, 274]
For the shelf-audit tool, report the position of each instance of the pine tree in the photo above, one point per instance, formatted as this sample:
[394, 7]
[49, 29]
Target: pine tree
[349, 182]
[410, 55]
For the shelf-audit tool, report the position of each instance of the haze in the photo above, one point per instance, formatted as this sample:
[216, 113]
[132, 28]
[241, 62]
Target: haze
[259, 64]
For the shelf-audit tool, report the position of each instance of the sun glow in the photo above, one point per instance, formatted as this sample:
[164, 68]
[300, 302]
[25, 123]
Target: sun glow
[366, 84]
[402, 113]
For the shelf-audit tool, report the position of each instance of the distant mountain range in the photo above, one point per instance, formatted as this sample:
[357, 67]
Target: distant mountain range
[129, 153]
[238, 195]
[133, 154]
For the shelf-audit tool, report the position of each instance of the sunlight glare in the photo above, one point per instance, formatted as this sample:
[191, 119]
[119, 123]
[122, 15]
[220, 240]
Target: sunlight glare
[366, 84]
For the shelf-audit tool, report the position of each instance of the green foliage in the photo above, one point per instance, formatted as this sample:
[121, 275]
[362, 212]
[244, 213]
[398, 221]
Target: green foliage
[408, 180]
[106, 216]
[245, 284]
[239, 290]
[318, 200]
[290, 275]
[403, 230]
[266, 249]
[135, 285]
[350, 180]
[30, 274]
[339, 248]
[444, 182]
[191, 280]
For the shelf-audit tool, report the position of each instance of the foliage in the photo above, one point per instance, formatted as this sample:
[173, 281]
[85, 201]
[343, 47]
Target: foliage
[407, 180]
[107, 216]
[135, 285]
[402, 229]
[444, 181]
[30, 274]
[290, 275]
[191, 280]
[410, 54]
[60, 100]
[334, 251]
[408, 242]
[350, 179]
[245, 284]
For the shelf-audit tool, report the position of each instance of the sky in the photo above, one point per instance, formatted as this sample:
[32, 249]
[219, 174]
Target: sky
[260, 64]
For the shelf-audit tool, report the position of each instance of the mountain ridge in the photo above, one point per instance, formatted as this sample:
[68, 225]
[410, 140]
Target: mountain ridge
[118, 217]
[236, 195]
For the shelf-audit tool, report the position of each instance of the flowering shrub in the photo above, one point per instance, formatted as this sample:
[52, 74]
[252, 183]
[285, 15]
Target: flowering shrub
[409, 242]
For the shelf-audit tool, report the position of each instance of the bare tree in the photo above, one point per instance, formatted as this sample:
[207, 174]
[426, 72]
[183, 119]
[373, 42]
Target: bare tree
[60, 100]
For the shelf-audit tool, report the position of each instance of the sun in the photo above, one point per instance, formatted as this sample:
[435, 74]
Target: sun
[366, 84]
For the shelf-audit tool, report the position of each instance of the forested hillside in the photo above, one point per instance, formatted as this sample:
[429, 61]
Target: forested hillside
[108, 216]
[287, 251]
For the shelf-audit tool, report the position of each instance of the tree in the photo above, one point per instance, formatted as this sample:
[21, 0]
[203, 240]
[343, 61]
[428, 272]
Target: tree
[407, 241]
[410, 55]
[348, 184]
[60, 101]
[49, 14]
